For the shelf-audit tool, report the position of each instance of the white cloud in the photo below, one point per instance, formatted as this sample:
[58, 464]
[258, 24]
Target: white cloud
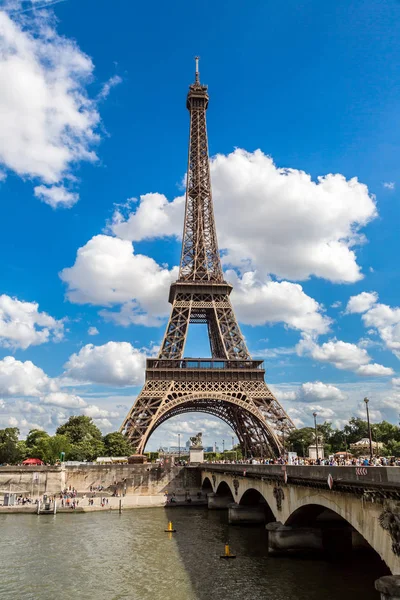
[342, 355]
[322, 411]
[47, 121]
[275, 352]
[56, 196]
[23, 378]
[154, 217]
[336, 304]
[114, 363]
[374, 369]
[107, 87]
[389, 185]
[22, 325]
[271, 220]
[258, 303]
[362, 302]
[107, 272]
[318, 392]
[396, 381]
[63, 399]
[386, 321]
[93, 331]
[98, 413]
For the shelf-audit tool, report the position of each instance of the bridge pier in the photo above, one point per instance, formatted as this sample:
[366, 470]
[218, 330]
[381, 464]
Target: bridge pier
[217, 502]
[283, 539]
[334, 541]
[389, 587]
[245, 515]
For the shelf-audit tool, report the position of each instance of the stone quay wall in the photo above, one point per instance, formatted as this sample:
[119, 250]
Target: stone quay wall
[138, 480]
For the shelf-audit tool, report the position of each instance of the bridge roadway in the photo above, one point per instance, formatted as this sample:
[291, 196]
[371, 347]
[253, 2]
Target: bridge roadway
[312, 507]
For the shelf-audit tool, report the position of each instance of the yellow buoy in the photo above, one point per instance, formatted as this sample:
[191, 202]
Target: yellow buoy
[227, 553]
[170, 528]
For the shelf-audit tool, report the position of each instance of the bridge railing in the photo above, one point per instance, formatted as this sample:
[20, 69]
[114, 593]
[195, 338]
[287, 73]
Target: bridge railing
[388, 477]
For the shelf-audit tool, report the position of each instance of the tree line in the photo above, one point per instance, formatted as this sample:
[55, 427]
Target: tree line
[385, 434]
[79, 438]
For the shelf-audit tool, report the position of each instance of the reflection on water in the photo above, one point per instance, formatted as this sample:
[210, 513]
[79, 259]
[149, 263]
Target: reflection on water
[107, 555]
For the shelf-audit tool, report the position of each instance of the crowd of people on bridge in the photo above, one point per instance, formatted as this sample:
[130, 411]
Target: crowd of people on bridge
[376, 461]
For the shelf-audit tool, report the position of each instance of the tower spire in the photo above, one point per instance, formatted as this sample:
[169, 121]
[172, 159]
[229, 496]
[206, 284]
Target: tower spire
[200, 259]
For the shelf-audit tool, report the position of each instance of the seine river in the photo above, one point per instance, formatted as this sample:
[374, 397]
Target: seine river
[107, 555]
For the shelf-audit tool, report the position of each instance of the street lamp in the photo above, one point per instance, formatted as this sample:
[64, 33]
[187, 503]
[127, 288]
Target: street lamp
[179, 446]
[369, 429]
[316, 435]
[223, 447]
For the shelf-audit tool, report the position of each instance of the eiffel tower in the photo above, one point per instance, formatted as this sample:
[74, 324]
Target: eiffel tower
[230, 385]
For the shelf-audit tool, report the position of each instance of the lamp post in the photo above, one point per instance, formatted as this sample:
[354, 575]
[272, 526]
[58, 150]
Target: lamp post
[179, 446]
[316, 435]
[223, 448]
[366, 400]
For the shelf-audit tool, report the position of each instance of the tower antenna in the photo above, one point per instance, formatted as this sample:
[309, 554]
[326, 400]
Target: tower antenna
[197, 58]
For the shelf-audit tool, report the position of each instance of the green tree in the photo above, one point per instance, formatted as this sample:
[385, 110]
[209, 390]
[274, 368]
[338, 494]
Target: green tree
[55, 445]
[10, 450]
[299, 440]
[84, 436]
[116, 444]
[37, 444]
[356, 430]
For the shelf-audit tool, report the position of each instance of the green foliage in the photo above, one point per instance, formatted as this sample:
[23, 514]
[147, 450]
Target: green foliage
[115, 444]
[355, 430]
[80, 428]
[85, 438]
[300, 439]
[151, 456]
[10, 450]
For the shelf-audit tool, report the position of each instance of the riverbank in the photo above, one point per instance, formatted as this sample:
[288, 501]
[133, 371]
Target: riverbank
[127, 502]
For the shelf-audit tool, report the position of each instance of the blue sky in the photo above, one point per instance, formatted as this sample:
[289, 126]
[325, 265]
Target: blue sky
[93, 149]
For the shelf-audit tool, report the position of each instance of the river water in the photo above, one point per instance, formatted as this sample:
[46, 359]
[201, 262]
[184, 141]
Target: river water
[100, 556]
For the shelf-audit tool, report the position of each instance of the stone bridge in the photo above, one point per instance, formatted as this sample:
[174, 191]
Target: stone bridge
[335, 509]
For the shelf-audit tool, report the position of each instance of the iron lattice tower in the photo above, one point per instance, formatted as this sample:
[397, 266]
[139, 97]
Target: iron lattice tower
[230, 385]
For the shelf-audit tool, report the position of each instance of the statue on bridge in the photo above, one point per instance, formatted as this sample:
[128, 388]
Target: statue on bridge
[197, 441]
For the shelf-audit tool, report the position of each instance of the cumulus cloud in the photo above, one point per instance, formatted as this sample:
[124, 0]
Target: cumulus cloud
[296, 227]
[258, 303]
[362, 302]
[107, 272]
[56, 196]
[317, 392]
[47, 121]
[23, 378]
[378, 318]
[342, 355]
[63, 399]
[389, 185]
[98, 413]
[23, 325]
[386, 321]
[93, 331]
[114, 363]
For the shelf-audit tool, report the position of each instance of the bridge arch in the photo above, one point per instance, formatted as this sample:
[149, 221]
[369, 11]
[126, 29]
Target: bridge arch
[252, 497]
[224, 489]
[323, 511]
[206, 485]
[252, 429]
